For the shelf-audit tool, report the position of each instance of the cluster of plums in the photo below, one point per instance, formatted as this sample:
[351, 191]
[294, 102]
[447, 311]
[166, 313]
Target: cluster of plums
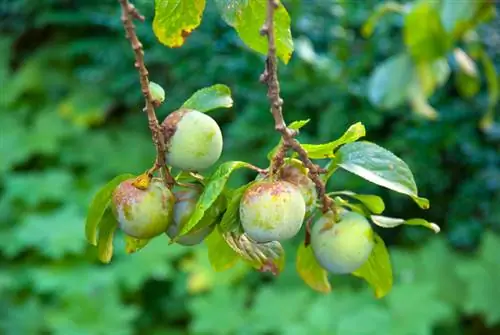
[271, 208]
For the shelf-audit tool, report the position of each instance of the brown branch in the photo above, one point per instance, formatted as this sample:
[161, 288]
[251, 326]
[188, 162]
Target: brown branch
[128, 13]
[270, 77]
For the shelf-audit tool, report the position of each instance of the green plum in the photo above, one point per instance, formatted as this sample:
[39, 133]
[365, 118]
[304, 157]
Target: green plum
[140, 213]
[342, 247]
[272, 211]
[296, 173]
[195, 140]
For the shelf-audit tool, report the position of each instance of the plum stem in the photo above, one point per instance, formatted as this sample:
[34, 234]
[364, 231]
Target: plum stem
[129, 12]
[270, 77]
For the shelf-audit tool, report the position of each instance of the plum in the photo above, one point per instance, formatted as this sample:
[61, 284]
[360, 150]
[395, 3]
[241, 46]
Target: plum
[342, 247]
[195, 140]
[183, 209]
[143, 213]
[295, 172]
[272, 211]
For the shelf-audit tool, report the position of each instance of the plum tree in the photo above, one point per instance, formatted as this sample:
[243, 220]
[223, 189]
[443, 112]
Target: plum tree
[195, 142]
[185, 203]
[342, 247]
[272, 211]
[142, 213]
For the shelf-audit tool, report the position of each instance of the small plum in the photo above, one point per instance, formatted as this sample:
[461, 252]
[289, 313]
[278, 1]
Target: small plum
[342, 247]
[143, 214]
[183, 209]
[295, 172]
[196, 140]
[272, 211]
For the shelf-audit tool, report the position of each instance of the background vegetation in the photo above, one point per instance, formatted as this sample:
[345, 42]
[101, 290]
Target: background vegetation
[70, 118]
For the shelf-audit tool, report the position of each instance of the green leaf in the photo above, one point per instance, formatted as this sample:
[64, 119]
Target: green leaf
[248, 17]
[295, 125]
[389, 83]
[107, 229]
[157, 92]
[432, 75]
[493, 90]
[322, 151]
[467, 85]
[424, 34]
[377, 270]
[458, 17]
[230, 220]
[174, 20]
[208, 98]
[374, 203]
[419, 103]
[465, 63]
[264, 257]
[388, 222]
[133, 244]
[379, 166]
[221, 256]
[98, 207]
[214, 187]
[381, 10]
[310, 271]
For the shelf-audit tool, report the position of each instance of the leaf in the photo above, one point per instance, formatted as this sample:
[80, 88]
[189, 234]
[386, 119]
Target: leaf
[133, 244]
[390, 82]
[377, 270]
[381, 10]
[248, 17]
[432, 75]
[465, 63]
[381, 167]
[174, 20]
[493, 90]
[221, 256]
[295, 125]
[374, 203]
[310, 271]
[419, 103]
[214, 187]
[107, 229]
[322, 151]
[424, 34]
[264, 257]
[467, 85]
[230, 219]
[157, 92]
[388, 222]
[208, 98]
[98, 207]
[460, 16]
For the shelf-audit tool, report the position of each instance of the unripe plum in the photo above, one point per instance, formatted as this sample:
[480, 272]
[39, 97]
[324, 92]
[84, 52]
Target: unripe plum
[185, 203]
[295, 172]
[272, 211]
[344, 246]
[196, 142]
[141, 213]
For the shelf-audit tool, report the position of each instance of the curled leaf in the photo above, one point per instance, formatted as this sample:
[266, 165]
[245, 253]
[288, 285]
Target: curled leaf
[310, 271]
[388, 222]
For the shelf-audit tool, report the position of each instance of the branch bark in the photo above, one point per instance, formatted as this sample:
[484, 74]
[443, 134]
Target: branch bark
[270, 77]
[129, 12]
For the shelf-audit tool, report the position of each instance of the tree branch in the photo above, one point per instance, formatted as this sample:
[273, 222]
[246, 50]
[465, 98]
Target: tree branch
[270, 77]
[128, 13]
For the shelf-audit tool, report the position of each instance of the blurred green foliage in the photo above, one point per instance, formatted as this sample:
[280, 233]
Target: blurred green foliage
[70, 119]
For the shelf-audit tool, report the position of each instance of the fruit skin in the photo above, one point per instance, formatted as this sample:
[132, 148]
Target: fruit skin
[295, 172]
[183, 209]
[196, 143]
[272, 211]
[344, 246]
[143, 214]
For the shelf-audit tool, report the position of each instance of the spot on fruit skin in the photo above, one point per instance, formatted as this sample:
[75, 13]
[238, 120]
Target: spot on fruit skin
[183, 209]
[195, 140]
[143, 214]
[344, 246]
[272, 211]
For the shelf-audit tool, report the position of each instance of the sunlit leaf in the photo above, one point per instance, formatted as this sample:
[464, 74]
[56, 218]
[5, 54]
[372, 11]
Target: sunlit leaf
[419, 103]
[230, 219]
[321, 151]
[377, 270]
[310, 271]
[493, 90]
[373, 202]
[221, 256]
[133, 244]
[467, 85]
[208, 98]
[107, 229]
[381, 167]
[381, 10]
[295, 125]
[432, 75]
[98, 207]
[388, 222]
[247, 17]
[174, 20]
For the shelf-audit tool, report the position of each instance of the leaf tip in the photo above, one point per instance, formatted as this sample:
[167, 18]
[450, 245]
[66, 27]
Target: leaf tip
[434, 227]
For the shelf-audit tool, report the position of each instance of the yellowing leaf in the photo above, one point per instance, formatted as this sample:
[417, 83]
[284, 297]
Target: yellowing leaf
[221, 256]
[377, 270]
[175, 20]
[133, 244]
[310, 271]
[106, 232]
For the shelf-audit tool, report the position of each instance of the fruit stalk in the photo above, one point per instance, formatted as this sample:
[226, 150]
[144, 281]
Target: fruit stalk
[270, 77]
[128, 13]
